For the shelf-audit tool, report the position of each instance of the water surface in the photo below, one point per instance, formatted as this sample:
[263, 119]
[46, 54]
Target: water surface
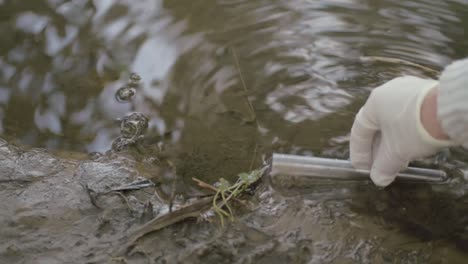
[223, 83]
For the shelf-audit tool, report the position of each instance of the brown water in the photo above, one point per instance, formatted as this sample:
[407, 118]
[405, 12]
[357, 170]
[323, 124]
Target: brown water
[62, 62]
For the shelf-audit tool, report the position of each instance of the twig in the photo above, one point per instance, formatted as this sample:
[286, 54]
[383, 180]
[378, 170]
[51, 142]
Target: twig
[192, 210]
[134, 186]
[214, 189]
[252, 110]
[124, 198]
[205, 185]
[15, 180]
[398, 61]
[174, 182]
[253, 157]
[231, 191]
[217, 207]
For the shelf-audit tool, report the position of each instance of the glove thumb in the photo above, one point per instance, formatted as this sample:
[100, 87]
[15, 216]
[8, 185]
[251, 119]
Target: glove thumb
[386, 164]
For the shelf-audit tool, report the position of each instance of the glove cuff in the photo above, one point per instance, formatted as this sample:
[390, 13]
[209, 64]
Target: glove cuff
[425, 136]
[452, 101]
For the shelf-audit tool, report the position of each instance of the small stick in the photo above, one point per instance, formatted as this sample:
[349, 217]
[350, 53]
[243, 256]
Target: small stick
[205, 185]
[123, 198]
[174, 183]
[254, 116]
[398, 61]
[253, 157]
[189, 211]
[15, 180]
[211, 187]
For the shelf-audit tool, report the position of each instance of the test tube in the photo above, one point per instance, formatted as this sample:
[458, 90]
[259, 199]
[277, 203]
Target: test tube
[314, 167]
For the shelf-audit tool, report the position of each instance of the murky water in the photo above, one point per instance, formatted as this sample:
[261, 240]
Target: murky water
[222, 83]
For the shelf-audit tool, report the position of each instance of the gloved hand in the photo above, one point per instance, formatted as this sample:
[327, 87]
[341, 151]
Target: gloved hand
[387, 132]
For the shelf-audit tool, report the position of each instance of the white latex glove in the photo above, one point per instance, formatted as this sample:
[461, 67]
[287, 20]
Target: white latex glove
[387, 132]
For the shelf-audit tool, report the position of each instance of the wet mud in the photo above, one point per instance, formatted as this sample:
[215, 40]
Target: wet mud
[59, 210]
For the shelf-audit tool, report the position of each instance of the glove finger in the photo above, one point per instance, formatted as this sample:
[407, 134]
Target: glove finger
[386, 165]
[361, 140]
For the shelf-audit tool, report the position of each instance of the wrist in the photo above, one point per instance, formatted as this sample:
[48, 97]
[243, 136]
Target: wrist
[429, 117]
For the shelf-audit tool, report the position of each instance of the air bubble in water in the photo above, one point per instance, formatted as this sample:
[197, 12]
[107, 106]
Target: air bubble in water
[133, 125]
[132, 129]
[134, 80]
[122, 143]
[125, 94]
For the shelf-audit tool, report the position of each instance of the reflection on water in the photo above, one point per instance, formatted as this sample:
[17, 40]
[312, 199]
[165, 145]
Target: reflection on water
[61, 62]
[202, 64]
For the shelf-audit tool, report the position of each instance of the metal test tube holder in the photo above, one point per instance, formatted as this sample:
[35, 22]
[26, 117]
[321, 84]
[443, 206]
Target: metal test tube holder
[313, 167]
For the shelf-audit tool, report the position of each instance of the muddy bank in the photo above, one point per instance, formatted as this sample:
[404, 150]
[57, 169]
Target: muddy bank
[48, 216]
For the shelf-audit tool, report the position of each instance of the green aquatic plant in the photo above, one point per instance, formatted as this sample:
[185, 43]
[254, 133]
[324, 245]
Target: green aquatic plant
[226, 192]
